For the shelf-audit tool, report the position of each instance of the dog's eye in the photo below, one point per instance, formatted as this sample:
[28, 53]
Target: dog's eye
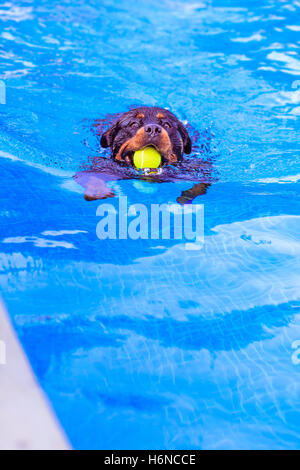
[133, 124]
[166, 125]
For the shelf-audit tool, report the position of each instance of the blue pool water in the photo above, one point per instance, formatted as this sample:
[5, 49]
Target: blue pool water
[142, 344]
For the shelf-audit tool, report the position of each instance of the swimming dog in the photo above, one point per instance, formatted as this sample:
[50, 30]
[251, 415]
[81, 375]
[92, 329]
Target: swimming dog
[132, 131]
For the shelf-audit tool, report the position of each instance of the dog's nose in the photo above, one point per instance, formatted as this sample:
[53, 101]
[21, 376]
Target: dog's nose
[153, 129]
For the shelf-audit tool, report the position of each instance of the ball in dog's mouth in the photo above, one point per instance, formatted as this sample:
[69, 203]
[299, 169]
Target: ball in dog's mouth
[150, 158]
[147, 157]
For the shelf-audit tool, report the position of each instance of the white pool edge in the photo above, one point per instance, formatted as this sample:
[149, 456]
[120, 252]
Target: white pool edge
[27, 420]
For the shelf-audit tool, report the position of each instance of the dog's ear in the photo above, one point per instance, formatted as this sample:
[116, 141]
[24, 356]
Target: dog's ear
[109, 135]
[187, 143]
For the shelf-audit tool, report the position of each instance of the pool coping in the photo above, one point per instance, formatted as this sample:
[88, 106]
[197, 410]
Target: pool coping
[27, 421]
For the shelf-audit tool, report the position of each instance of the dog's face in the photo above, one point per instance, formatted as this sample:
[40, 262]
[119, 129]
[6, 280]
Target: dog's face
[147, 126]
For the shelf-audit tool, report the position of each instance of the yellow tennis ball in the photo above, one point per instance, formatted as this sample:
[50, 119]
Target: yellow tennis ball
[148, 157]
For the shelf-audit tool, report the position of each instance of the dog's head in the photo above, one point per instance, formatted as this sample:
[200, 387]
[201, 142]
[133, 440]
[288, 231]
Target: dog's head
[145, 126]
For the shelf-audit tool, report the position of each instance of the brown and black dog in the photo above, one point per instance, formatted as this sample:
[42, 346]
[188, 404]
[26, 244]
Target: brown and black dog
[144, 126]
[131, 131]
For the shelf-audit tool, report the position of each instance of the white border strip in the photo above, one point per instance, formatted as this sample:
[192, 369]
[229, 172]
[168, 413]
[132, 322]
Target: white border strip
[27, 421]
